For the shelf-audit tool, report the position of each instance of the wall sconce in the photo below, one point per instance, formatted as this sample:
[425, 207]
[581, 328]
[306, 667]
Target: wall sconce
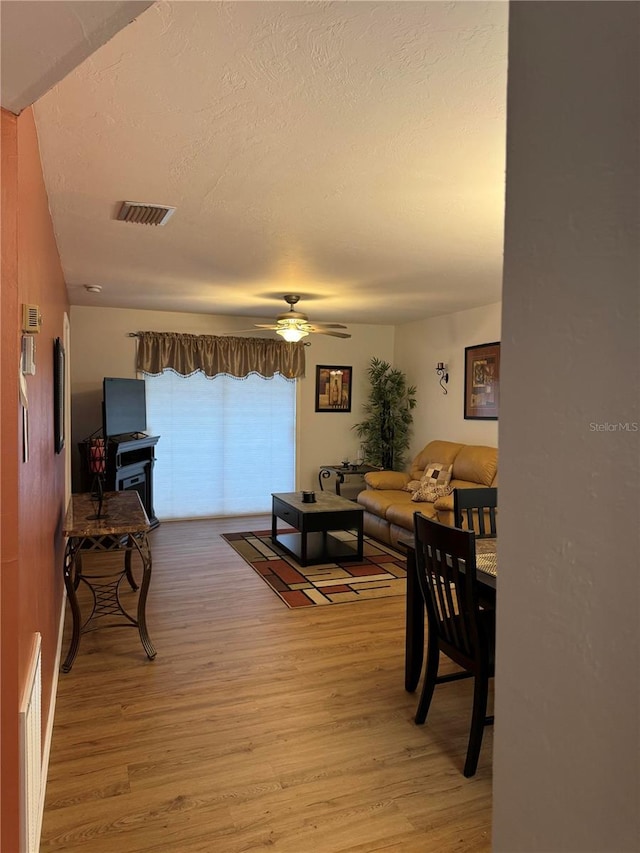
[441, 370]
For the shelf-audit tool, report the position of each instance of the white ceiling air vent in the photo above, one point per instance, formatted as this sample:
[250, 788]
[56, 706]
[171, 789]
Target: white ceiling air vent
[145, 214]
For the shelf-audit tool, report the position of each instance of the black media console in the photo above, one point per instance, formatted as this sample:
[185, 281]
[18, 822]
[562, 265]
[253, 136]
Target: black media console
[130, 461]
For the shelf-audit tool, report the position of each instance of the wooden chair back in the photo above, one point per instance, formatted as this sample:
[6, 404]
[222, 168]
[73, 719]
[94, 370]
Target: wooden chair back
[446, 567]
[475, 509]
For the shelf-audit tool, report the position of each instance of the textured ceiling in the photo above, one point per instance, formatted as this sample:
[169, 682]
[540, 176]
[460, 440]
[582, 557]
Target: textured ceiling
[351, 152]
[42, 40]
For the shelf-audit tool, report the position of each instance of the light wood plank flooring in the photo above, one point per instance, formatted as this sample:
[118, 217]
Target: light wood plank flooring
[257, 727]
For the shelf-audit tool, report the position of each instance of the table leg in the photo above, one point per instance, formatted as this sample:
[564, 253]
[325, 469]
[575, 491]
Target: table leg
[127, 564]
[69, 563]
[414, 639]
[360, 530]
[77, 567]
[145, 553]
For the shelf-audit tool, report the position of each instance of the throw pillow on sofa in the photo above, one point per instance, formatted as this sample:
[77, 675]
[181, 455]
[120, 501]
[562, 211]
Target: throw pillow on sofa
[434, 483]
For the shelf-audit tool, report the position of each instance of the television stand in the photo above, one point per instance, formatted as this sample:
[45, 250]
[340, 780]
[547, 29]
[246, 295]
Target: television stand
[130, 462]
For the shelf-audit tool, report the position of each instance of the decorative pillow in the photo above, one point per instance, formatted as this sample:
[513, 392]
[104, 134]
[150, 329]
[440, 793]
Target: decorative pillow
[434, 483]
[412, 486]
[431, 493]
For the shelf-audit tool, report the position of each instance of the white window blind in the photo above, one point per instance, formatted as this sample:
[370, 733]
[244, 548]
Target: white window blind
[225, 444]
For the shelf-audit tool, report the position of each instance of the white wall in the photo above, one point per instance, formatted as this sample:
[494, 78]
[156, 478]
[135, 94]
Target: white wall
[419, 347]
[326, 438]
[567, 735]
[100, 347]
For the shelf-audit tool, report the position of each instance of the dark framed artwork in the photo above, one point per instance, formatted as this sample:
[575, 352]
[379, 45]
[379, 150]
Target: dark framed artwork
[482, 382]
[333, 388]
[58, 394]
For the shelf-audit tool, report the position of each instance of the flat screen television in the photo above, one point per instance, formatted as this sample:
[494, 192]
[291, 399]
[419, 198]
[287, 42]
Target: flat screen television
[124, 406]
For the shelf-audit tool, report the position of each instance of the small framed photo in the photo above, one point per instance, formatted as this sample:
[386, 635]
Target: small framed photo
[482, 382]
[333, 388]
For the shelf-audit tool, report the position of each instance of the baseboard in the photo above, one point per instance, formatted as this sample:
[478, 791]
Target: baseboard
[46, 749]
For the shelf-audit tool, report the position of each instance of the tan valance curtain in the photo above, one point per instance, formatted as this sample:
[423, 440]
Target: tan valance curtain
[213, 355]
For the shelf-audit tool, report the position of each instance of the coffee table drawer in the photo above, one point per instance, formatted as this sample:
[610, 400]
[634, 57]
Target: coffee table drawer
[286, 513]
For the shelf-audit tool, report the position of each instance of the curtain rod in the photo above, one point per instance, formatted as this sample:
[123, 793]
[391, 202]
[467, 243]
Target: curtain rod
[137, 335]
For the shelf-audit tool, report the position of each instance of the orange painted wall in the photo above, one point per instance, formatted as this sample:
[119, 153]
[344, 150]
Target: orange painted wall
[8, 484]
[32, 599]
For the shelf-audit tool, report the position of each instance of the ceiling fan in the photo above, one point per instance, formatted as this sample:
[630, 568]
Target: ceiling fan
[294, 325]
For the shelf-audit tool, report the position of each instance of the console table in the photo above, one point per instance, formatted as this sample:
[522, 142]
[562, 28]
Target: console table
[351, 476]
[123, 527]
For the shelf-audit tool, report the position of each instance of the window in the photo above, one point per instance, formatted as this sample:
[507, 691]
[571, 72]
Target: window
[225, 444]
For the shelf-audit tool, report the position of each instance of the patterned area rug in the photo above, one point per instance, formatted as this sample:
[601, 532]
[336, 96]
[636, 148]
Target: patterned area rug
[380, 574]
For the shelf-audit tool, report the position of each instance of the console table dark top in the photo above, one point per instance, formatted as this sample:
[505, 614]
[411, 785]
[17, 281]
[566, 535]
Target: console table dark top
[349, 469]
[124, 513]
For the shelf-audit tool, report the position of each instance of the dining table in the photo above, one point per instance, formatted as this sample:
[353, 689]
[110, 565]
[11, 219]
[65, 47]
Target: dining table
[486, 575]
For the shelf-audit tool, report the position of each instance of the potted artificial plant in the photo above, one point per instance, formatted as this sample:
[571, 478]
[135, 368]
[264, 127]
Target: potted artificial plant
[386, 427]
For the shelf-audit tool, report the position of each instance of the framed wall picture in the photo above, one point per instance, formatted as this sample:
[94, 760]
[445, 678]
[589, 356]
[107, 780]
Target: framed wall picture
[482, 382]
[58, 395]
[333, 388]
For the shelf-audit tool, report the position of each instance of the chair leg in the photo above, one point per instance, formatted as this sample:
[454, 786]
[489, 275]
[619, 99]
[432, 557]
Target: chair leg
[430, 677]
[478, 719]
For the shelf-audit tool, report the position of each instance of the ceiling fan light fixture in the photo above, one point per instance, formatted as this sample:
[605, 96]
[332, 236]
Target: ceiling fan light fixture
[292, 335]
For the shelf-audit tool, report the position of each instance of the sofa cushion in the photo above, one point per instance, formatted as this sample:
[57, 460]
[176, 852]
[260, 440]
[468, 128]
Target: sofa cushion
[378, 501]
[386, 479]
[402, 514]
[476, 464]
[446, 501]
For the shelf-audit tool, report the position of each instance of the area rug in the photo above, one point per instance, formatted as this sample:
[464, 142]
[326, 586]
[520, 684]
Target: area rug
[381, 573]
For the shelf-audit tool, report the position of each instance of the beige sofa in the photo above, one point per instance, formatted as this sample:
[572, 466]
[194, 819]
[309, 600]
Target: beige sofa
[388, 508]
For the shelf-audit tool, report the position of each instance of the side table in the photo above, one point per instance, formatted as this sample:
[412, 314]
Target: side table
[351, 477]
[123, 527]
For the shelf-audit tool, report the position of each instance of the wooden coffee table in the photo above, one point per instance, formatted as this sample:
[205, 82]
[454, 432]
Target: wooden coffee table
[312, 542]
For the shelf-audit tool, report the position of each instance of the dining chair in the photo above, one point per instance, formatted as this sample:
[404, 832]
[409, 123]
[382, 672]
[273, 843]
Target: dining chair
[475, 509]
[457, 626]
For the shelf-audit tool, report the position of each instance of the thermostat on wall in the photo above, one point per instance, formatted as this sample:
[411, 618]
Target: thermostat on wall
[28, 355]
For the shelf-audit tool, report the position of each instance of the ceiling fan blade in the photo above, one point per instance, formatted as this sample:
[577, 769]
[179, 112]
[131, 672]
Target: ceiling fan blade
[242, 332]
[329, 326]
[329, 332]
[264, 326]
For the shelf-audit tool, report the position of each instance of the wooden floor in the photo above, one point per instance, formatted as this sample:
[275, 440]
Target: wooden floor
[256, 727]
